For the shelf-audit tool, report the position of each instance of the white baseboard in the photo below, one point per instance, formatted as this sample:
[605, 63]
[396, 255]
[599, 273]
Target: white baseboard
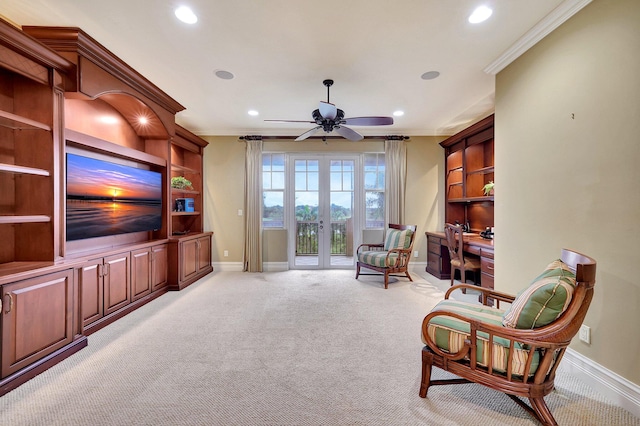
[227, 266]
[619, 390]
[275, 266]
[237, 266]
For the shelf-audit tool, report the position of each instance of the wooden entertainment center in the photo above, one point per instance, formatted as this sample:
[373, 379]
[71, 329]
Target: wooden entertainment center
[61, 92]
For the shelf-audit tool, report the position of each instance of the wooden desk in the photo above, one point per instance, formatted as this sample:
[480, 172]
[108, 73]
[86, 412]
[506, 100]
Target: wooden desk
[439, 262]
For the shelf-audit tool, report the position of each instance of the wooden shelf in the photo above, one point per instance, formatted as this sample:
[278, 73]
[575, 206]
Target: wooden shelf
[179, 168]
[470, 199]
[17, 122]
[185, 213]
[12, 168]
[455, 184]
[184, 191]
[482, 171]
[25, 219]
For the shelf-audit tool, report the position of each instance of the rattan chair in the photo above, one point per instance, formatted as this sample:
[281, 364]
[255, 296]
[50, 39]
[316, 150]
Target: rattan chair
[521, 362]
[390, 258]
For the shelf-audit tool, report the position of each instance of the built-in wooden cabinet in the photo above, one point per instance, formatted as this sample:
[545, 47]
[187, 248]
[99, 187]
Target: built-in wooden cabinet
[159, 266]
[55, 83]
[186, 203]
[148, 270]
[37, 319]
[194, 254]
[104, 286]
[113, 285]
[469, 166]
[31, 100]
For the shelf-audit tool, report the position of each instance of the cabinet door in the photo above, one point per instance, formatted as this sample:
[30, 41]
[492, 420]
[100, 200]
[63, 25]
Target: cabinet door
[159, 266]
[117, 291]
[37, 319]
[204, 253]
[189, 254]
[140, 273]
[91, 292]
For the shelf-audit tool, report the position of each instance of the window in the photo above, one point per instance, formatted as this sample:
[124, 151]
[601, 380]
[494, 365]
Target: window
[374, 190]
[273, 190]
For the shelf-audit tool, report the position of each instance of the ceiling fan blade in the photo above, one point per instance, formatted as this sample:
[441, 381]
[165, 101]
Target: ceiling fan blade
[292, 121]
[328, 110]
[348, 133]
[368, 121]
[308, 133]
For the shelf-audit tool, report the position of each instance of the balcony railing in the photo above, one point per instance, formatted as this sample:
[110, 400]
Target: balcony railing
[341, 238]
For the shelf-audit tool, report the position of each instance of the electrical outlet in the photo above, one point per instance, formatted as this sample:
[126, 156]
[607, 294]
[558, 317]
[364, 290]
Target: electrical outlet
[226, 253]
[415, 253]
[585, 334]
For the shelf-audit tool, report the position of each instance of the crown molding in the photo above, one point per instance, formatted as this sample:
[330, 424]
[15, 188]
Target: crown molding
[553, 20]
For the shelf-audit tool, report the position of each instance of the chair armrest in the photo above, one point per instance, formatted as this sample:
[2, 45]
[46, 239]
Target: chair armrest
[489, 293]
[402, 259]
[368, 247]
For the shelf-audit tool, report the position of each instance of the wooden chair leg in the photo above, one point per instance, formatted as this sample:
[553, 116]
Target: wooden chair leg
[386, 279]
[427, 361]
[357, 270]
[540, 408]
[409, 276]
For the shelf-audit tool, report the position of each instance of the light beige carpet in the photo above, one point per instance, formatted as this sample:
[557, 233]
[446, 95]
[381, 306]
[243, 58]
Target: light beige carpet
[278, 348]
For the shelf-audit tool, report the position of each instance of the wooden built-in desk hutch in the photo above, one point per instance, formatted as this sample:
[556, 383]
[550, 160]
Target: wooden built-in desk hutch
[469, 166]
[90, 227]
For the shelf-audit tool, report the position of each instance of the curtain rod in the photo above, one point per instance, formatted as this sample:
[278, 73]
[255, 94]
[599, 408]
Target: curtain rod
[322, 138]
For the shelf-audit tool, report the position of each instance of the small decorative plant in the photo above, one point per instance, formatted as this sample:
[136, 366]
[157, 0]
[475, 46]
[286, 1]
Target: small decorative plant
[180, 182]
[488, 188]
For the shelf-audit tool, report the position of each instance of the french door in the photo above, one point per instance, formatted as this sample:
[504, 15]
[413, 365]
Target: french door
[324, 199]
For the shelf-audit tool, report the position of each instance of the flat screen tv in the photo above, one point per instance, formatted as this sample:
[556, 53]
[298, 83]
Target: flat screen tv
[105, 198]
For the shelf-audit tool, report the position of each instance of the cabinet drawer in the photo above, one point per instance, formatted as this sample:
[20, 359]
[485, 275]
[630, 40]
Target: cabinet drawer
[434, 247]
[486, 266]
[433, 262]
[486, 281]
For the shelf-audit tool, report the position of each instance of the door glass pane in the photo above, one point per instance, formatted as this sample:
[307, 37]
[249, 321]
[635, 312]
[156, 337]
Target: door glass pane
[307, 198]
[341, 208]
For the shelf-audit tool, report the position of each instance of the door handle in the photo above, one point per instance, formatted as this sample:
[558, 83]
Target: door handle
[10, 303]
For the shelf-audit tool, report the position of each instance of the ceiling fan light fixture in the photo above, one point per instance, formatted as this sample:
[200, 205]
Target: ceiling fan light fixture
[186, 15]
[480, 14]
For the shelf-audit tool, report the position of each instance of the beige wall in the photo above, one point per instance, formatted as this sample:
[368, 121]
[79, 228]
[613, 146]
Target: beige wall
[224, 190]
[568, 169]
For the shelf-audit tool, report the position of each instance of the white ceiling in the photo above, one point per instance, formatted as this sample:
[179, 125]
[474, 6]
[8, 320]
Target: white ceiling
[280, 51]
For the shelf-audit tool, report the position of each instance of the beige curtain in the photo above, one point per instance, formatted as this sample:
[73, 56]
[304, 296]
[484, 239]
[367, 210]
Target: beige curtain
[252, 256]
[395, 157]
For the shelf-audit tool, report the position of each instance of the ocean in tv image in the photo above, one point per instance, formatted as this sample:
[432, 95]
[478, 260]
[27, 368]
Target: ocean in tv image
[105, 198]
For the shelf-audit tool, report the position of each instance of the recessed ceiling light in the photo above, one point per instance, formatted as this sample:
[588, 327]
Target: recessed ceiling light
[481, 14]
[252, 112]
[430, 75]
[143, 120]
[225, 75]
[186, 15]
[398, 113]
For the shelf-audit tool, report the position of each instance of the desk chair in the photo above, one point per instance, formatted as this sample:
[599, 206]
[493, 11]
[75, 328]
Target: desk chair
[460, 262]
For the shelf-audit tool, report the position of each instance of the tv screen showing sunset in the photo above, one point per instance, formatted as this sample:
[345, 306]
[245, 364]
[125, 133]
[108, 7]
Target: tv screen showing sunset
[105, 198]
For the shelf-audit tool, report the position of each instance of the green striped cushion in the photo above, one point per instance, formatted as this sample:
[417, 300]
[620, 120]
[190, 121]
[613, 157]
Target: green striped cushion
[376, 258]
[544, 300]
[397, 239]
[450, 333]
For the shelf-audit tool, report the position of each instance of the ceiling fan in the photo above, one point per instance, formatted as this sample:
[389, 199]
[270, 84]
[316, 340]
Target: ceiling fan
[329, 118]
